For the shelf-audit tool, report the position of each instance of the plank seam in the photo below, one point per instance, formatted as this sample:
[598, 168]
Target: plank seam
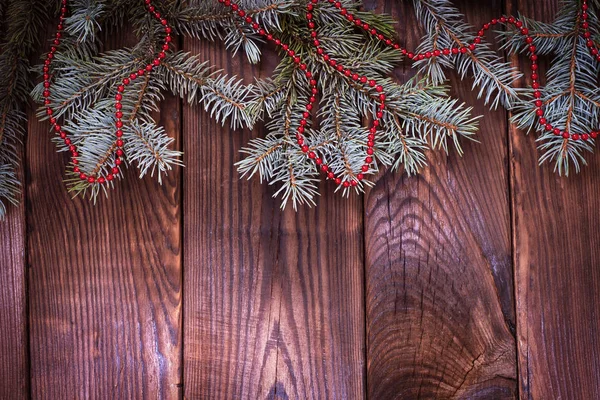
[181, 383]
[512, 225]
[26, 269]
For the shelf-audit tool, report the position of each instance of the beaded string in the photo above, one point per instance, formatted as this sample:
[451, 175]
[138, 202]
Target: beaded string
[464, 49]
[348, 73]
[118, 144]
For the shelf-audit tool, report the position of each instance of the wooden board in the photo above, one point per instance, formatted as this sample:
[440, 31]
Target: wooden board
[556, 239]
[273, 300]
[409, 292]
[438, 280]
[14, 373]
[105, 281]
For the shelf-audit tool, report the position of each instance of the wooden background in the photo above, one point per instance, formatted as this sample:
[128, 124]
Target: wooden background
[478, 279]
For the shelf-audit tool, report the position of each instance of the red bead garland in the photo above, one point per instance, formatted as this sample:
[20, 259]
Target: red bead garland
[300, 138]
[373, 85]
[510, 20]
[118, 144]
[470, 47]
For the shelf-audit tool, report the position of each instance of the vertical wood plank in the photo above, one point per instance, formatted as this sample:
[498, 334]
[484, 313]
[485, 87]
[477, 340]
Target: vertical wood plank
[556, 239]
[273, 300]
[105, 281]
[440, 314]
[14, 373]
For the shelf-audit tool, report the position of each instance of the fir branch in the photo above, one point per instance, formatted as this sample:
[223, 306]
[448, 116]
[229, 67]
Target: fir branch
[446, 28]
[83, 82]
[223, 97]
[210, 20]
[24, 20]
[84, 22]
[419, 115]
[150, 148]
[570, 97]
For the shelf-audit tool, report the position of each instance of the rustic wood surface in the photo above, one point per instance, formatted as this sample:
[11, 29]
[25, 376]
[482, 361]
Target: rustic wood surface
[477, 279]
[14, 362]
[438, 263]
[104, 282]
[274, 300]
[556, 236]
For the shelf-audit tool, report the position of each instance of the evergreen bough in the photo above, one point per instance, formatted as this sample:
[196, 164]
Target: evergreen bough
[420, 115]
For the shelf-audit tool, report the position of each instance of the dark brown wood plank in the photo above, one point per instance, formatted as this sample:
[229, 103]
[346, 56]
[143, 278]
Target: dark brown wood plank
[105, 281]
[14, 373]
[439, 278]
[557, 240]
[273, 300]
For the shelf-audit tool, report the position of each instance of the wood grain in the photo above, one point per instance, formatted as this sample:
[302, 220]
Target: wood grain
[439, 280]
[14, 370]
[105, 281]
[408, 293]
[273, 300]
[556, 240]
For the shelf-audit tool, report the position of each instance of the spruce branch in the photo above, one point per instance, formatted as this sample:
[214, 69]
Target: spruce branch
[419, 116]
[570, 97]
[24, 19]
[210, 20]
[84, 82]
[85, 20]
[446, 28]
[223, 97]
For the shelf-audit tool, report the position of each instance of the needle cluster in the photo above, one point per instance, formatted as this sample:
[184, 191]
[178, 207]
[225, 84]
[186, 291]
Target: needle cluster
[420, 115]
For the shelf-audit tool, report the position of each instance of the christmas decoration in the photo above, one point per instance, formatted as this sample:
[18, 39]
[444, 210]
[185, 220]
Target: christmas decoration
[335, 59]
[97, 176]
